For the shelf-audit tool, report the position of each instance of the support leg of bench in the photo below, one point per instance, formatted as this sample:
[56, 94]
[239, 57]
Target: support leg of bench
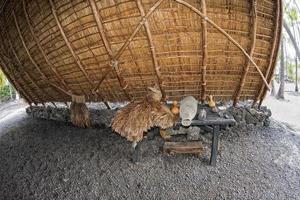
[136, 152]
[214, 145]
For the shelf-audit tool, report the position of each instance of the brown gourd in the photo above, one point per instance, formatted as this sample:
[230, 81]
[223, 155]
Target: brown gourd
[211, 102]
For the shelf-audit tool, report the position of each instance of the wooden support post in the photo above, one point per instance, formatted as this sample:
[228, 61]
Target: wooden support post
[214, 145]
[41, 49]
[152, 48]
[128, 41]
[263, 91]
[136, 152]
[227, 36]
[66, 104]
[54, 104]
[248, 64]
[204, 53]
[107, 105]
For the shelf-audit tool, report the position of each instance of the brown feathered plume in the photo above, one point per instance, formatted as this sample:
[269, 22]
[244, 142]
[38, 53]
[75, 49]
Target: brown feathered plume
[139, 116]
[80, 115]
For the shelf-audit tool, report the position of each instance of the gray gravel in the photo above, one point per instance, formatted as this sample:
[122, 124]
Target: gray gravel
[51, 160]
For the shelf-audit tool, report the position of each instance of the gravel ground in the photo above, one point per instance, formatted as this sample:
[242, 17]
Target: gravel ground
[52, 160]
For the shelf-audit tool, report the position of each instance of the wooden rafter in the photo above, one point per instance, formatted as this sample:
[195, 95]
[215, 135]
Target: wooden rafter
[36, 85]
[101, 27]
[108, 48]
[12, 70]
[204, 53]
[15, 83]
[44, 92]
[263, 91]
[241, 84]
[128, 41]
[7, 37]
[41, 49]
[227, 36]
[25, 46]
[18, 63]
[152, 48]
[62, 32]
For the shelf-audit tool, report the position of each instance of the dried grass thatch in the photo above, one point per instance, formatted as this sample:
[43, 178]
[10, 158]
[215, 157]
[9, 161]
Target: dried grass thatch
[79, 112]
[113, 50]
[139, 116]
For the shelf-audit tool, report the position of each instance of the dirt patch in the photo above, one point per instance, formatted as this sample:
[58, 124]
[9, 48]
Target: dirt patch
[51, 160]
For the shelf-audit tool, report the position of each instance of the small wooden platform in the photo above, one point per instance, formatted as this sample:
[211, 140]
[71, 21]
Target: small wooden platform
[183, 147]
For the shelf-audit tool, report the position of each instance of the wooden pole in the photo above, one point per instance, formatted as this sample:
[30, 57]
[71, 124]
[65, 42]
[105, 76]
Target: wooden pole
[15, 83]
[263, 91]
[241, 84]
[41, 49]
[204, 52]
[76, 58]
[100, 27]
[7, 38]
[152, 48]
[32, 61]
[25, 46]
[108, 48]
[128, 41]
[227, 36]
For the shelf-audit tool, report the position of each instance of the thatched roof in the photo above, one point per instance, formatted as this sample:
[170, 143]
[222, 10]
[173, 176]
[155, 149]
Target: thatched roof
[112, 50]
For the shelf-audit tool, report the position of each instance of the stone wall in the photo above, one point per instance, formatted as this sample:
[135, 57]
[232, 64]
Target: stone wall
[245, 115]
[99, 117]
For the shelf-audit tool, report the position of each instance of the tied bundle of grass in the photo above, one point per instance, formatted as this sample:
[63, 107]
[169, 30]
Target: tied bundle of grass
[139, 116]
[80, 115]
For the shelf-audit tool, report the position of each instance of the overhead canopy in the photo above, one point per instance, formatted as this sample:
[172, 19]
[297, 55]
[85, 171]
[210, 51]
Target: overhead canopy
[112, 50]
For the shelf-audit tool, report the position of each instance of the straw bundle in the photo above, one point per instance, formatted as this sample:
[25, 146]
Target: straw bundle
[80, 115]
[139, 116]
[119, 48]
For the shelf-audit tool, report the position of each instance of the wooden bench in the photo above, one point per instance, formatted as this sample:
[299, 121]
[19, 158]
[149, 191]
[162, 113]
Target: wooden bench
[183, 147]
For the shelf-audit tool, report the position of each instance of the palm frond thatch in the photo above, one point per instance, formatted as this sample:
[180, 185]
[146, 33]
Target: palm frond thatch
[139, 116]
[79, 112]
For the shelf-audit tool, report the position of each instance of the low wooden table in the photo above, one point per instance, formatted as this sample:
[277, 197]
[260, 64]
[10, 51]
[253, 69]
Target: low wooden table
[213, 124]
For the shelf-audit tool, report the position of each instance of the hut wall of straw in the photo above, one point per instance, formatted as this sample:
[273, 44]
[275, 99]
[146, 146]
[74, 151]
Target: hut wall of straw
[112, 50]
